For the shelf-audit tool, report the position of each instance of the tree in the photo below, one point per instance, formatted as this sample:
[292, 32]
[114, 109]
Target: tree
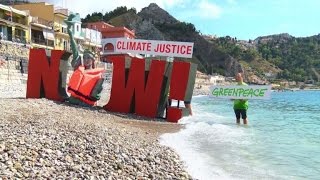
[117, 12]
[250, 55]
[236, 52]
[94, 17]
[98, 16]
[133, 10]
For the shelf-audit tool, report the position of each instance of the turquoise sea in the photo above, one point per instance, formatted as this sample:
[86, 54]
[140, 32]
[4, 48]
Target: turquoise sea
[282, 140]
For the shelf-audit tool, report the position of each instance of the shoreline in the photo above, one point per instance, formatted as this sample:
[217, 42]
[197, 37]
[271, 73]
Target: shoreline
[55, 116]
[40, 138]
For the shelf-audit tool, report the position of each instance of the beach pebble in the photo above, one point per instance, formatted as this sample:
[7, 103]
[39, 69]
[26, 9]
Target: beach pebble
[43, 139]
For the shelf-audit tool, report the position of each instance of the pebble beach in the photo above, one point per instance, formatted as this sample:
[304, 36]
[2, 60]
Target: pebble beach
[43, 139]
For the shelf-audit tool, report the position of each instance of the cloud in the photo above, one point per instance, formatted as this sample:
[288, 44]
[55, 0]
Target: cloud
[202, 9]
[209, 10]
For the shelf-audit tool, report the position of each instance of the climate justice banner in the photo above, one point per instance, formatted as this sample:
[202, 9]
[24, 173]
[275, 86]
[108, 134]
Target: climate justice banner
[160, 48]
[241, 92]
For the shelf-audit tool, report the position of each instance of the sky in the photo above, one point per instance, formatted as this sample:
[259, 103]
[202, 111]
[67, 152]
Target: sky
[243, 19]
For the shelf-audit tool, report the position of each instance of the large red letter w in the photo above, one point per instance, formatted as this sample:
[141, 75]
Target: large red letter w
[133, 92]
[43, 74]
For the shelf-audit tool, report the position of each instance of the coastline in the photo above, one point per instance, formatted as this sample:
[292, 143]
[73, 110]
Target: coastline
[40, 138]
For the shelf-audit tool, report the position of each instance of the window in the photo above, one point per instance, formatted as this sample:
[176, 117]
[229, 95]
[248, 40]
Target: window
[64, 30]
[77, 28]
[109, 47]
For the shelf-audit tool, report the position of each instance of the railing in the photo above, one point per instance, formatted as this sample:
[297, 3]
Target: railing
[20, 21]
[38, 41]
[19, 39]
[7, 37]
[14, 19]
[43, 42]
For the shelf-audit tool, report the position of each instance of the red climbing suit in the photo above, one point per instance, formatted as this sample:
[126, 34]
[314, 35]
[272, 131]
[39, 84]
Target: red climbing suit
[82, 83]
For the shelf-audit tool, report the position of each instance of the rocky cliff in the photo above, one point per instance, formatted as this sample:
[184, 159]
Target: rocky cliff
[154, 23]
[143, 28]
[155, 14]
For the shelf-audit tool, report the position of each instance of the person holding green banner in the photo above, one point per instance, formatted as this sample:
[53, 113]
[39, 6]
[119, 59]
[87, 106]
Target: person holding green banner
[240, 106]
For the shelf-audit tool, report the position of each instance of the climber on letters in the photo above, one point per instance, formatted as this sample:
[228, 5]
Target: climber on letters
[85, 84]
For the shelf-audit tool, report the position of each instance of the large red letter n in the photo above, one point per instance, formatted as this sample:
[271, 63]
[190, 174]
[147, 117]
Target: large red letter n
[43, 74]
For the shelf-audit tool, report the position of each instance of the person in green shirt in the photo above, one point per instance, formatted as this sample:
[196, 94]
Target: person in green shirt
[240, 106]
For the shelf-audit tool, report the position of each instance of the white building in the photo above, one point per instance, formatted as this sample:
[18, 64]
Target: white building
[217, 80]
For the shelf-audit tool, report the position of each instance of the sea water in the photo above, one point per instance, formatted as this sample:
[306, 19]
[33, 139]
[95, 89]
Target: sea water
[282, 140]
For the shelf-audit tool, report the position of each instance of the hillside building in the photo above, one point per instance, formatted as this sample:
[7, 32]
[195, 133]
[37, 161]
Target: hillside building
[14, 25]
[49, 31]
[109, 35]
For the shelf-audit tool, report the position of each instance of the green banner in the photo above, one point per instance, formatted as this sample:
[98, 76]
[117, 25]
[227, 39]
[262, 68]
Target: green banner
[241, 92]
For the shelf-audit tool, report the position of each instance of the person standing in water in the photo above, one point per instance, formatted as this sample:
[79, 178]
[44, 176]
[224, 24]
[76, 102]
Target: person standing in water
[241, 106]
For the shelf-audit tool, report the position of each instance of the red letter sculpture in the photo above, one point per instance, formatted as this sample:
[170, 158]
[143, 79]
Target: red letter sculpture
[131, 93]
[43, 74]
[178, 87]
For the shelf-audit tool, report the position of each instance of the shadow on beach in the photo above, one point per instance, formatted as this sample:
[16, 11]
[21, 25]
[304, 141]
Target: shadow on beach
[152, 125]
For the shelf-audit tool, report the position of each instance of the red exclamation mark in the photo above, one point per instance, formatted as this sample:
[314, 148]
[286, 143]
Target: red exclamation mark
[178, 88]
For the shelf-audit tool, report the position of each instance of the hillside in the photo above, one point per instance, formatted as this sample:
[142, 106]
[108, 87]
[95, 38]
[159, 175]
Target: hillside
[143, 29]
[262, 60]
[154, 23]
[296, 58]
[299, 58]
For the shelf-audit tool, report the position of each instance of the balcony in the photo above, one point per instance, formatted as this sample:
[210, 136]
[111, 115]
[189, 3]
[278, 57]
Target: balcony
[41, 21]
[59, 10]
[20, 39]
[43, 42]
[5, 17]
[17, 39]
[15, 20]
[20, 21]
